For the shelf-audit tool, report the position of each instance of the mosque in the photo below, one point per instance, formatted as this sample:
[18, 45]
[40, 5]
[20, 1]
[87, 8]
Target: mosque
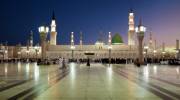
[114, 48]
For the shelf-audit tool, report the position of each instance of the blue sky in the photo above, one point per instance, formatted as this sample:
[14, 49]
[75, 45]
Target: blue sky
[19, 17]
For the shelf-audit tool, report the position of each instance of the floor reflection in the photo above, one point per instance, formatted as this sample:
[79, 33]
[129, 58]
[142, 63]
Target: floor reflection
[27, 70]
[36, 72]
[146, 72]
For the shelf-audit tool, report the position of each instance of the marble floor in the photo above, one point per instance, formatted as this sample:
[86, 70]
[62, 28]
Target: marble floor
[79, 82]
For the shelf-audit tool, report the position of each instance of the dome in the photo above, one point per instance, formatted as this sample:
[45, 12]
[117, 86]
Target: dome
[117, 39]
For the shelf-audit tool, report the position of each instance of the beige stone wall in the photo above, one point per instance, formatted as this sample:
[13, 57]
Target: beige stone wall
[118, 51]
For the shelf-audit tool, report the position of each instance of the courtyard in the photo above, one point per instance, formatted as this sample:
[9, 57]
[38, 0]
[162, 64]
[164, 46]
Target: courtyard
[97, 82]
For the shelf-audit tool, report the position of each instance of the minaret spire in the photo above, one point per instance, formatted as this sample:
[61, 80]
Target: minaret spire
[140, 21]
[53, 16]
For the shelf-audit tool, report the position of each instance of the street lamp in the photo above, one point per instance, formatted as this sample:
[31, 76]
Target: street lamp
[72, 49]
[146, 51]
[163, 53]
[154, 55]
[72, 45]
[37, 50]
[27, 52]
[109, 48]
[19, 53]
[43, 30]
[140, 30]
[5, 53]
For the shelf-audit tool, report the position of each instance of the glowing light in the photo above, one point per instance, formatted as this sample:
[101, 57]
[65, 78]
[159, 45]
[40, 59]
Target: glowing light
[136, 29]
[109, 47]
[43, 29]
[53, 23]
[163, 52]
[53, 29]
[146, 47]
[142, 29]
[154, 51]
[131, 14]
[72, 47]
[177, 51]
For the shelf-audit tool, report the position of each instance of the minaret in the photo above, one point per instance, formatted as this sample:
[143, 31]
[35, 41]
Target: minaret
[163, 47]
[155, 44]
[80, 42]
[72, 44]
[31, 39]
[150, 41]
[53, 34]
[72, 39]
[109, 39]
[131, 31]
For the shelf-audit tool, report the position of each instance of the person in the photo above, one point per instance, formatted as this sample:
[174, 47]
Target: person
[63, 63]
[137, 63]
[60, 62]
[88, 62]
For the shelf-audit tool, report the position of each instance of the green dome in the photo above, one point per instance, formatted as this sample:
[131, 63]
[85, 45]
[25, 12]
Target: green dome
[117, 39]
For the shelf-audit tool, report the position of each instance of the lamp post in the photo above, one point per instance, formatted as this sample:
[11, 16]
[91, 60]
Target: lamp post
[72, 45]
[154, 55]
[72, 53]
[27, 53]
[146, 51]
[140, 30]
[37, 50]
[177, 49]
[163, 54]
[43, 30]
[19, 54]
[5, 53]
[163, 50]
[177, 54]
[109, 46]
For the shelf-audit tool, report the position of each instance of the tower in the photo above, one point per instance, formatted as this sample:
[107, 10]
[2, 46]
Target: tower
[72, 45]
[109, 39]
[131, 31]
[72, 38]
[31, 39]
[80, 42]
[53, 34]
[150, 41]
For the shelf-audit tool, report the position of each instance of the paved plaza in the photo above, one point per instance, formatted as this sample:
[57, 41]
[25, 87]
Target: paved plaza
[97, 82]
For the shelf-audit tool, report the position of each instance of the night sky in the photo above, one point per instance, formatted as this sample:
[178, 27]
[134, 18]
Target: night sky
[92, 17]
